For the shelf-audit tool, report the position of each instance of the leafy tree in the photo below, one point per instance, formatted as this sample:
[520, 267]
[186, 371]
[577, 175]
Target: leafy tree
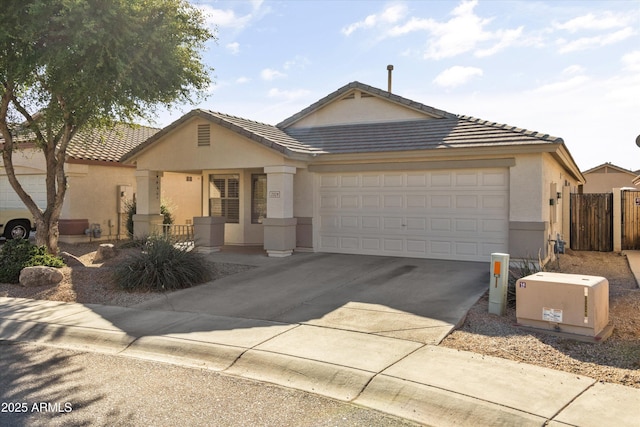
[67, 65]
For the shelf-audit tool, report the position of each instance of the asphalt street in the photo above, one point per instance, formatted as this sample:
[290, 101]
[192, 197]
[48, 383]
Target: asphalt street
[48, 386]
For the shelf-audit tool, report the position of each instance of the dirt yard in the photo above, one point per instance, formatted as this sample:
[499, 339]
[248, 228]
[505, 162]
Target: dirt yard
[615, 360]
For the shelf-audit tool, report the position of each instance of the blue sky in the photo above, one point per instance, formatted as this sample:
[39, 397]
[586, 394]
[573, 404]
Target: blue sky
[567, 68]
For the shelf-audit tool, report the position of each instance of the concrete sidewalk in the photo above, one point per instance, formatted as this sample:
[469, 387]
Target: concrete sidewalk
[421, 382]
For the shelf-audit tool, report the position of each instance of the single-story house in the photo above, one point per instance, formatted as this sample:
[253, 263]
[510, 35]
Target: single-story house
[99, 185]
[365, 171]
[605, 177]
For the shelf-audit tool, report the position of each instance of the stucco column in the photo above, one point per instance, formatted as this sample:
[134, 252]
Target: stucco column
[148, 219]
[208, 233]
[279, 225]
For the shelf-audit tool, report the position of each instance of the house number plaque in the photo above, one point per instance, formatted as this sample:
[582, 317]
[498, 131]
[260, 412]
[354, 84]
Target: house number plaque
[274, 194]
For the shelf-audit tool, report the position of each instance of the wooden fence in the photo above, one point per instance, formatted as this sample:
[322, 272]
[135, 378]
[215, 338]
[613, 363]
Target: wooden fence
[630, 220]
[592, 222]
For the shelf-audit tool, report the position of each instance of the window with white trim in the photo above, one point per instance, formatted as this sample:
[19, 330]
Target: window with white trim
[224, 197]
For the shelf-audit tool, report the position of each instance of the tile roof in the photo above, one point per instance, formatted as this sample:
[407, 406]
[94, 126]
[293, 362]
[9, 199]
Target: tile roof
[108, 145]
[450, 132]
[268, 135]
[439, 129]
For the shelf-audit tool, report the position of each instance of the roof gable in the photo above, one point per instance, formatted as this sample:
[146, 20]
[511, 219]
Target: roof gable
[359, 103]
[609, 168]
[261, 133]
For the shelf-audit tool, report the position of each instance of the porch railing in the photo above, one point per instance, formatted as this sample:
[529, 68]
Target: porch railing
[178, 233]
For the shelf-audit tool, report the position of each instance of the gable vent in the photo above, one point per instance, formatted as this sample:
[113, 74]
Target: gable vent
[204, 135]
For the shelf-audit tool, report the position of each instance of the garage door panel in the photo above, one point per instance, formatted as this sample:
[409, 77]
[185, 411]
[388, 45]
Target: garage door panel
[393, 180]
[466, 201]
[458, 214]
[371, 201]
[34, 185]
[370, 244]
[468, 179]
[349, 181]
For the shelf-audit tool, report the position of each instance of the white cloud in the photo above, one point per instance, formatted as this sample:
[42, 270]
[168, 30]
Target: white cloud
[457, 76]
[234, 47]
[563, 86]
[288, 95]
[606, 21]
[228, 18]
[584, 43]
[271, 74]
[464, 32]
[242, 80]
[505, 38]
[390, 15]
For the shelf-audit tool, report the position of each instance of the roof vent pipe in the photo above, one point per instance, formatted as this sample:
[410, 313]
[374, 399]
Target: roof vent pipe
[390, 69]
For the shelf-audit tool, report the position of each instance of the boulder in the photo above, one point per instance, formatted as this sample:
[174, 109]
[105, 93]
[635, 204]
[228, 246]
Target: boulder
[40, 276]
[105, 251]
[71, 260]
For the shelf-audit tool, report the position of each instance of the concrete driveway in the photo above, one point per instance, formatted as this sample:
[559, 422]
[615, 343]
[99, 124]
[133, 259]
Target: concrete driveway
[412, 299]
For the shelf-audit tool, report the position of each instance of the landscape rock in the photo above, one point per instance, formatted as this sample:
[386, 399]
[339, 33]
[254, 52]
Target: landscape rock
[71, 260]
[40, 276]
[105, 251]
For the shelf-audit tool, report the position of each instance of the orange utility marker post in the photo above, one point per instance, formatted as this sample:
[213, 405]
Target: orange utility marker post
[499, 283]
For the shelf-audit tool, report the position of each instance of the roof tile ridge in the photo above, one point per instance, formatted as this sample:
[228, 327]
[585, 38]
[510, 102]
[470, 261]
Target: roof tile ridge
[523, 131]
[218, 113]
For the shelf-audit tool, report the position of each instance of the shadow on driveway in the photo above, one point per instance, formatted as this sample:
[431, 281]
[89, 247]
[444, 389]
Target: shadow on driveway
[415, 299]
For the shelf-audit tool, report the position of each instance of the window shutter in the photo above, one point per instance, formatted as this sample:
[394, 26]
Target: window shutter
[204, 135]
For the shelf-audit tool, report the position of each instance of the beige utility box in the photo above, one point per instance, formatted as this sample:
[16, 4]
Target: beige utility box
[571, 303]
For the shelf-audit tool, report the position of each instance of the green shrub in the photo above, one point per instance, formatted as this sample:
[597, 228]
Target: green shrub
[130, 211]
[162, 267]
[18, 254]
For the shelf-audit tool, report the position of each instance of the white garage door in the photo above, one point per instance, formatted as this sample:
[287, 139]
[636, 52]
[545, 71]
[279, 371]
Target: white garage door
[34, 185]
[445, 214]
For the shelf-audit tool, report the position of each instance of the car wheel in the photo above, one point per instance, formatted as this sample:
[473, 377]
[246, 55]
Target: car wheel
[17, 231]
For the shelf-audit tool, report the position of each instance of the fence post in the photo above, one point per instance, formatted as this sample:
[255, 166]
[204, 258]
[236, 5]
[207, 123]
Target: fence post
[617, 220]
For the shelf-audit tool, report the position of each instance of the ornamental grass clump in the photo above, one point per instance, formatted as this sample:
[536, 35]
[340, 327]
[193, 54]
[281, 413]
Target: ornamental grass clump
[162, 267]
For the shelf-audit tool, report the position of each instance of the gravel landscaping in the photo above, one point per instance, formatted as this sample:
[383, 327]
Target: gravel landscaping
[616, 360]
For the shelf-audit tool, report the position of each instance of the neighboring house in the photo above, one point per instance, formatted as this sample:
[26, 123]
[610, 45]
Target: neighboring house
[98, 184]
[606, 177]
[365, 171]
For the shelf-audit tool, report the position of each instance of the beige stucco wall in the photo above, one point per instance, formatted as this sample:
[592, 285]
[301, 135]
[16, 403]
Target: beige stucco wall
[534, 221]
[604, 181]
[525, 189]
[359, 110]
[27, 161]
[178, 151]
[182, 196]
[93, 194]
[303, 193]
